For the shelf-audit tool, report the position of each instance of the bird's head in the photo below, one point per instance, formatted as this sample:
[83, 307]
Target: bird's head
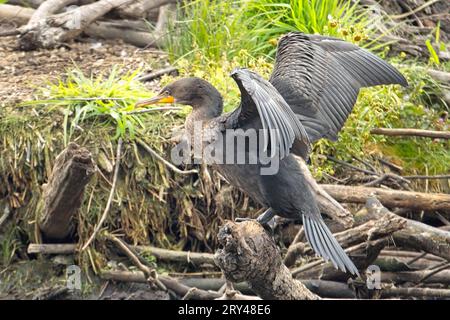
[194, 92]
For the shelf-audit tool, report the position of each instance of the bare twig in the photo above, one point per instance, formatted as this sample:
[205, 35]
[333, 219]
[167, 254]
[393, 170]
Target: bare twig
[5, 216]
[415, 292]
[439, 176]
[111, 195]
[154, 109]
[412, 132]
[414, 11]
[164, 161]
[157, 74]
[151, 274]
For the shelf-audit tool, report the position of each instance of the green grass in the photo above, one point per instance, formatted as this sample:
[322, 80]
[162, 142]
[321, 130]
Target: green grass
[337, 18]
[104, 98]
[209, 30]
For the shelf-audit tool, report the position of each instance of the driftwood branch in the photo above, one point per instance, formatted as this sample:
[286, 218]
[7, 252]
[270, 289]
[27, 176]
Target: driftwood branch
[140, 8]
[415, 292]
[415, 235]
[47, 30]
[247, 248]
[127, 31]
[187, 257]
[411, 133]
[15, 14]
[63, 193]
[389, 198]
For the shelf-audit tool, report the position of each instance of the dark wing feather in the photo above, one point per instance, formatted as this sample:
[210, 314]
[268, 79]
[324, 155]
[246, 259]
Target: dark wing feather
[262, 103]
[320, 78]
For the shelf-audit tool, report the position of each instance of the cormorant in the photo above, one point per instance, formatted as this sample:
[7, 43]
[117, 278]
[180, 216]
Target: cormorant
[310, 94]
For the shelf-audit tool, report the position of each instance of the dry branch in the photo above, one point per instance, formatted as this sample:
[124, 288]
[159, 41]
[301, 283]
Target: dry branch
[54, 248]
[121, 30]
[390, 198]
[415, 292]
[63, 193]
[158, 73]
[46, 31]
[415, 235]
[196, 258]
[443, 277]
[371, 230]
[172, 284]
[140, 8]
[411, 133]
[187, 257]
[247, 248]
[15, 14]
[117, 29]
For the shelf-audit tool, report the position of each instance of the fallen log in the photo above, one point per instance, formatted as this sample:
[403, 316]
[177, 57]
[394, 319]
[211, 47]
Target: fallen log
[120, 30]
[389, 197]
[247, 248]
[323, 288]
[196, 258]
[443, 277]
[63, 194]
[172, 284]
[45, 30]
[440, 75]
[408, 254]
[140, 8]
[415, 293]
[371, 230]
[54, 248]
[123, 30]
[411, 133]
[416, 235]
[15, 14]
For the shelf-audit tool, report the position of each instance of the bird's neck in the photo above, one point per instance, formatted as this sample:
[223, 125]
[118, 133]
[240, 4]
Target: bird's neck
[205, 111]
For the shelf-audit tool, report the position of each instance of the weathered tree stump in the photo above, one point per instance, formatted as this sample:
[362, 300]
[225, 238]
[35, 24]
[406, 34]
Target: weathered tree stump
[250, 254]
[63, 194]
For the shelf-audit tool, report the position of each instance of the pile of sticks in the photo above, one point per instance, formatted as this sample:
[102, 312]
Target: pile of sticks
[52, 23]
[406, 258]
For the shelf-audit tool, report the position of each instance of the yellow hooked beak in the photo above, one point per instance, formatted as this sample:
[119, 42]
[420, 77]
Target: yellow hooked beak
[155, 100]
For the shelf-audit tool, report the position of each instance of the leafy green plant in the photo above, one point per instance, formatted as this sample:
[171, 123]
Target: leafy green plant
[9, 245]
[101, 98]
[434, 56]
[337, 18]
[210, 29]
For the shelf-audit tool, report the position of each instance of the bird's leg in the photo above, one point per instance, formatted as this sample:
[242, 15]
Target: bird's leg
[264, 218]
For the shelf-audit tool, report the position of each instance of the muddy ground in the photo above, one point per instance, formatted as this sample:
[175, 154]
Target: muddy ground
[21, 73]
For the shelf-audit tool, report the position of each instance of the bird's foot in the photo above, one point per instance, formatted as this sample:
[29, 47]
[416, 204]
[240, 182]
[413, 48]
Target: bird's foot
[266, 219]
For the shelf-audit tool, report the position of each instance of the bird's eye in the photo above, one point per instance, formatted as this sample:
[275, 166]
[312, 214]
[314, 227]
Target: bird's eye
[167, 93]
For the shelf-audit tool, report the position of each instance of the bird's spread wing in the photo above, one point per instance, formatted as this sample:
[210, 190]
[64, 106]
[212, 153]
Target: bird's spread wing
[262, 105]
[320, 77]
